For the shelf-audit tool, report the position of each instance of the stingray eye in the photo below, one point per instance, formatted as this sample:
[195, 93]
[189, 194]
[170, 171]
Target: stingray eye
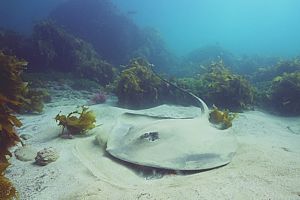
[151, 136]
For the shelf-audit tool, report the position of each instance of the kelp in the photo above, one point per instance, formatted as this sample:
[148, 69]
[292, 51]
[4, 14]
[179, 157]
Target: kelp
[59, 50]
[7, 191]
[285, 93]
[221, 87]
[115, 37]
[77, 122]
[11, 89]
[35, 99]
[15, 89]
[268, 73]
[138, 85]
[196, 61]
[11, 83]
[277, 87]
[8, 122]
[221, 119]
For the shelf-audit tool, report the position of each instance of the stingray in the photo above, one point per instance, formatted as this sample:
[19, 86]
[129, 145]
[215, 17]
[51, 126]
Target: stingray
[171, 141]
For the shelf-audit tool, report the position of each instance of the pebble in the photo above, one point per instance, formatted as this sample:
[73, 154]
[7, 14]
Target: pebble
[25, 153]
[46, 156]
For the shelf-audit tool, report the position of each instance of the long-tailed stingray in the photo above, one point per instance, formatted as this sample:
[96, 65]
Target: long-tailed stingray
[185, 143]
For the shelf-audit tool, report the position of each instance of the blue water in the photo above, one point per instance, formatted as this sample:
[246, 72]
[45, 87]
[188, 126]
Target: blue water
[21, 15]
[270, 27]
[266, 27]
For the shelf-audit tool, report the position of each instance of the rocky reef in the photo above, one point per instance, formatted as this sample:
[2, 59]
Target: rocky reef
[139, 86]
[219, 86]
[278, 87]
[114, 36]
[61, 51]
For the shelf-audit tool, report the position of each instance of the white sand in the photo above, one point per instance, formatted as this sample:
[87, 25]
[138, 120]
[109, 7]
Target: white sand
[266, 165]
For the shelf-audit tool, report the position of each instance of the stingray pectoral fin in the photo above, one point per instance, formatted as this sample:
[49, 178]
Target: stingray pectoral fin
[178, 144]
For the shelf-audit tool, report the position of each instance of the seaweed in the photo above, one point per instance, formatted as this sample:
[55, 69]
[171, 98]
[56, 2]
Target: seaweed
[7, 191]
[222, 119]
[197, 60]
[35, 99]
[8, 122]
[11, 83]
[77, 122]
[285, 93]
[268, 73]
[138, 85]
[219, 86]
[277, 87]
[59, 50]
[11, 88]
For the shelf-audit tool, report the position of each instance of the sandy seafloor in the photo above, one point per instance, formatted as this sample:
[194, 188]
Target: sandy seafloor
[266, 164]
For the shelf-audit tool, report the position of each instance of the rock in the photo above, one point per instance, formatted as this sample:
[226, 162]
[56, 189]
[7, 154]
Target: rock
[25, 136]
[25, 153]
[46, 156]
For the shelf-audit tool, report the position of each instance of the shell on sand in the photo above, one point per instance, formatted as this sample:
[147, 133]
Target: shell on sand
[170, 143]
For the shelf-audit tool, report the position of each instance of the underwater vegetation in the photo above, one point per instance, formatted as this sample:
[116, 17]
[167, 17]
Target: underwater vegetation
[246, 65]
[138, 85]
[35, 99]
[11, 83]
[61, 51]
[285, 93]
[114, 36]
[221, 119]
[77, 122]
[277, 87]
[8, 138]
[221, 87]
[269, 72]
[7, 191]
[11, 88]
[196, 61]
[14, 88]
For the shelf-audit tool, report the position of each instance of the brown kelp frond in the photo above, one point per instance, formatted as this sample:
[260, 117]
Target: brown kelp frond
[138, 85]
[285, 93]
[7, 191]
[11, 84]
[222, 119]
[11, 90]
[77, 122]
[34, 102]
[221, 87]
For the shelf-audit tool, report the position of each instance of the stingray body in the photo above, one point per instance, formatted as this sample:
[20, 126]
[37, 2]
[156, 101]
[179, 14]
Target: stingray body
[176, 143]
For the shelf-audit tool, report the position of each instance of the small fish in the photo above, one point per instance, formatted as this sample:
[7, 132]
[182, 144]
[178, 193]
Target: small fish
[286, 102]
[203, 67]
